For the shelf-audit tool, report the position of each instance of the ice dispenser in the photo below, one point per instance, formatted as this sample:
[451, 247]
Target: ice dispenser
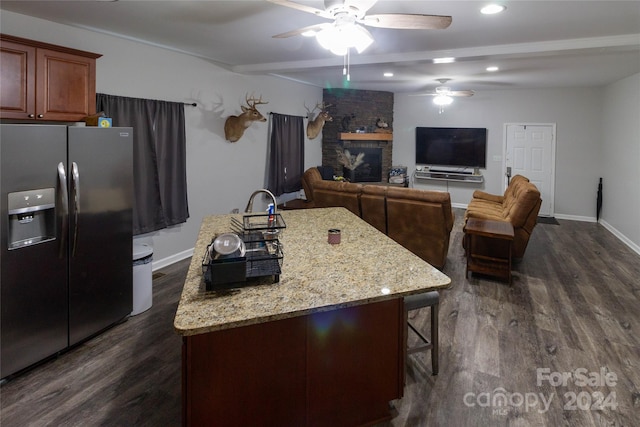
[32, 217]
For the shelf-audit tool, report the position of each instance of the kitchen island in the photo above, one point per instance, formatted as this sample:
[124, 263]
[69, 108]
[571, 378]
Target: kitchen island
[323, 346]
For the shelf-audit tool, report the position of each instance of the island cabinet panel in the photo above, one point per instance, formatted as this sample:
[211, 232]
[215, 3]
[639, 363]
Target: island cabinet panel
[333, 368]
[355, 363]
[41, 81]
[246, 376]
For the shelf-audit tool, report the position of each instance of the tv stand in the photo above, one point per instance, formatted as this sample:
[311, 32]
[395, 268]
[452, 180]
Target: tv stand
[460, 172]
[450, 176]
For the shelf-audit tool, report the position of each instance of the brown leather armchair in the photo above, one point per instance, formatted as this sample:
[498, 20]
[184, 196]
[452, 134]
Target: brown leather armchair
[519, 205]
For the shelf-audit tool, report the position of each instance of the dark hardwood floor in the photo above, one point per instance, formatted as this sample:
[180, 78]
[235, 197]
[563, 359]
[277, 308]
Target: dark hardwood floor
[572, 312]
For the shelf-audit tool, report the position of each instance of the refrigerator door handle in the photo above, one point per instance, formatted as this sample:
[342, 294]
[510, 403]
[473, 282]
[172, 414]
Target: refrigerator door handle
[75, 180]
[62, 177]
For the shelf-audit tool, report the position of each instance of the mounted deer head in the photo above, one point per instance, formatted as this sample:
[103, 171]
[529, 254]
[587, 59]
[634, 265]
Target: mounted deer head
[234, 126]
[316, 124]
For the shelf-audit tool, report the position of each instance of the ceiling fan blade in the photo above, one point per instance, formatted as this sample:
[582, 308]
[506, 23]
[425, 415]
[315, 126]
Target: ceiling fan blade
[403, 21]
[301, 7]
[449, 93]
[361, 5]
[299, 31]
[461, 93]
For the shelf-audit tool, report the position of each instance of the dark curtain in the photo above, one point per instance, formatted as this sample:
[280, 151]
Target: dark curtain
[286, 154]
[159, 158]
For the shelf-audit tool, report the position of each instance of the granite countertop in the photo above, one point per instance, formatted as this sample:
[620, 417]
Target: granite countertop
[366, 266]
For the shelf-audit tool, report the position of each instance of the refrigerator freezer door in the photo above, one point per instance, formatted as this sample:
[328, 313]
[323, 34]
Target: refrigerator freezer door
[101, 198]
[33, 285]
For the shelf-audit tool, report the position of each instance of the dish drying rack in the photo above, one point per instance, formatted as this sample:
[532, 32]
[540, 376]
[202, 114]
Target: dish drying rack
[262, 258]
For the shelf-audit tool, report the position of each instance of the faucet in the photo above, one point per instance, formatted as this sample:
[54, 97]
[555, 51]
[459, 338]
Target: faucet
[249, 207]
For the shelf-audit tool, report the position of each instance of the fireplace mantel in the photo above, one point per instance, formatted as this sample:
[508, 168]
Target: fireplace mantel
[375, 136]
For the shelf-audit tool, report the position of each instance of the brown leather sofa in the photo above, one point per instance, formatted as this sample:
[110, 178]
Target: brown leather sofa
[419, 220]
[519, 205]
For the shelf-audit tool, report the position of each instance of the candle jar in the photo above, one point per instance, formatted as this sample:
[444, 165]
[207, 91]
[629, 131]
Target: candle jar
[334, 236]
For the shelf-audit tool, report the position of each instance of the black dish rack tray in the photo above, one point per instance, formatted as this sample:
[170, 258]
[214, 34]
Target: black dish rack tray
[263, 255]
[266, 223]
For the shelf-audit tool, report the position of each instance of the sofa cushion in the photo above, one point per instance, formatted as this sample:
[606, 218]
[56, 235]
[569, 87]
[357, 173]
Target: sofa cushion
[495, 198]
[525, 199]
[329, 194]
[440, 198]
[421, 221]
[373, 206]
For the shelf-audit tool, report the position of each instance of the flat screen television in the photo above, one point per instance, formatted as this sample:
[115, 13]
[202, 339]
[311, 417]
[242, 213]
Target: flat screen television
[459, 147]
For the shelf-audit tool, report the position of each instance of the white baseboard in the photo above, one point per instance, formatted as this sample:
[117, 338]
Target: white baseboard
[165, 262]
[621, 236]
[576, 217]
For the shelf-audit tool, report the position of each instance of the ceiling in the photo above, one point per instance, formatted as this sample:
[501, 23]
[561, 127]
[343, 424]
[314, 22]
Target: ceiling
[536, 44]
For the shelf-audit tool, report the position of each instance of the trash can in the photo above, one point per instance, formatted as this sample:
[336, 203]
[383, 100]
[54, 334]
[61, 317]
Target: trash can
[142, 280]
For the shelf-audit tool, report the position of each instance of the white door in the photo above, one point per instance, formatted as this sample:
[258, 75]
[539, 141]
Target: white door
[530, 151]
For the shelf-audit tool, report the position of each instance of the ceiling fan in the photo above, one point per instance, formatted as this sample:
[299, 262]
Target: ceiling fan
[443, 95]
[349, 17]
[446, 91]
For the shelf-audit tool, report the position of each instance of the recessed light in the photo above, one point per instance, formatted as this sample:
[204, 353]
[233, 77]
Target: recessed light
[493, 68]
[446, 60]
[387, 74]
[492, 9]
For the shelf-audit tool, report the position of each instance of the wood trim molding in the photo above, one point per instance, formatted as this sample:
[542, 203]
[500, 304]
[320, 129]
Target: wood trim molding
[34, 43]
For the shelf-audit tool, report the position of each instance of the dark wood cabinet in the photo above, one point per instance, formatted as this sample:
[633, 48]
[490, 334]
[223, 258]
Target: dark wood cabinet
[355, 364]
[334, 368]
[40, 81]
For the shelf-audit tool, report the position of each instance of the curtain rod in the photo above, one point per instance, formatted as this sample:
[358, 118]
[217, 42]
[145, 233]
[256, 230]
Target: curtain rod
[193, 104]
[272, 113]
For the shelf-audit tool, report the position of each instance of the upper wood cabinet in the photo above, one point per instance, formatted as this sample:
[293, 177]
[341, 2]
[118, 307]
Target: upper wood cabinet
[40, 81]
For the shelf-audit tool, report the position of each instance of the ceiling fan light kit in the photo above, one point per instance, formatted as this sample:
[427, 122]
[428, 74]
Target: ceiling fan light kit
[341, 36]
[442, 100]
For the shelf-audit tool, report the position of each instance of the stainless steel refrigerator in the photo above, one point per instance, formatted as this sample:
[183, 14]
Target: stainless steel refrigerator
[66, 234]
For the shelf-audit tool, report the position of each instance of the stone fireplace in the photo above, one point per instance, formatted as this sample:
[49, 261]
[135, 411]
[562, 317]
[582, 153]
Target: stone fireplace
[354, 127]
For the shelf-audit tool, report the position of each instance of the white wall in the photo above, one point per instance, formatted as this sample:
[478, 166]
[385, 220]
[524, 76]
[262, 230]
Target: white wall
[575, 111]
[621, 159]
[221, 176]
